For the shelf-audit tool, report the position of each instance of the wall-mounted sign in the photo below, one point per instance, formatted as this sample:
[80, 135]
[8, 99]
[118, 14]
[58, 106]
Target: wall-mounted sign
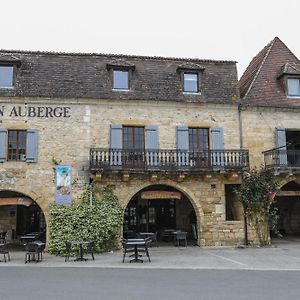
[35, 111]
[63, 189]
[151, 195]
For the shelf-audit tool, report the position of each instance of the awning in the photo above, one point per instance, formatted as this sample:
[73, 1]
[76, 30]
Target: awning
[160, 195]
[16, 201]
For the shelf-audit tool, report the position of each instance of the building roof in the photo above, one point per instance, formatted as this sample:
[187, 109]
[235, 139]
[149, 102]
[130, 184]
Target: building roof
[261, 85]
[88, 75]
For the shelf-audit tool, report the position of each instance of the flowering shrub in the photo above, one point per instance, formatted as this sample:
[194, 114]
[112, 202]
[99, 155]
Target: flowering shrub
[257, 192]
[98, 218]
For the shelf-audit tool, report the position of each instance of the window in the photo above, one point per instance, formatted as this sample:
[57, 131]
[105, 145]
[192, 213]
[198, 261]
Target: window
[133, 138]
[120, 80]
[198, 139]
[190, 83]
[17, 145]
[293, 85]
[234, 208]
[198, 146]
[6, 76]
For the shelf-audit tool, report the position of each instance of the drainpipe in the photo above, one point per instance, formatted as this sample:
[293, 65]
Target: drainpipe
[241, 147]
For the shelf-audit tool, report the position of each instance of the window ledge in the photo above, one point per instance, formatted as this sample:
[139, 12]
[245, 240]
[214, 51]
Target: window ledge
[191, 93]
[294, 97]
[7, 87]
[120, 90]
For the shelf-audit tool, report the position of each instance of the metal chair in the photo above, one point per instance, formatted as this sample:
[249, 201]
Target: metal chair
[127, 249]
[90, 248]
[32, 252]
[70, 250]
[144, 248]
[5, 251]
[3, 237]
[180, 236]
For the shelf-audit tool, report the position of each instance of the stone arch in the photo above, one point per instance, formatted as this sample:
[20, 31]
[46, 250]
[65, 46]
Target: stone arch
[186, 192]
[38, 199]
[191, 196]
[286, 180]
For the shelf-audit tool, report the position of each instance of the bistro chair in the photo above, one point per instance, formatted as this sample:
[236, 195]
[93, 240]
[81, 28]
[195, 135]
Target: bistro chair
[70, 250]
[32, 252]
[144, 248]
[3, 237]
[4, 251]
[180, 236]
[127, 249]
[90, 248]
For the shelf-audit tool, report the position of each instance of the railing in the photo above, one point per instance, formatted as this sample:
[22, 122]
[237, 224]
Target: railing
[288, 159]
[167, 160]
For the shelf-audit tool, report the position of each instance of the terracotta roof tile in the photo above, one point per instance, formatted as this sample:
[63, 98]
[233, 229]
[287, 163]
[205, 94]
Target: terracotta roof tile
[260, 84]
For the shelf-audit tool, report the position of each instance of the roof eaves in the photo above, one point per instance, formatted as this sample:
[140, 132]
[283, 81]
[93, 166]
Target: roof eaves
[120, 56]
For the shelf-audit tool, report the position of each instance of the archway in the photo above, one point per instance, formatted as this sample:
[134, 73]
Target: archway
[19, 215]
[287, 202]
[160, 209]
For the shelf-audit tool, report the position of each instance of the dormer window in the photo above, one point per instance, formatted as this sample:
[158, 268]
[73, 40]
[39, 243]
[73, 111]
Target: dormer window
[121, 73]
[190, 74]
[120, 80]
[190, 82]
[6, 76]
[293, 87]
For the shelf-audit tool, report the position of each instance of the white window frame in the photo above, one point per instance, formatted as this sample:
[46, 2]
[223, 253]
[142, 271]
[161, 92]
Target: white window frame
[12, 76]
[184, 80]
[288, 87]
[113, 80]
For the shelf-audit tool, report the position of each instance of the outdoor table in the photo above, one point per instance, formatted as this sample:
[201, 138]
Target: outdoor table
[146, 234]
[27, 238]
[80, 244]
[136, 243]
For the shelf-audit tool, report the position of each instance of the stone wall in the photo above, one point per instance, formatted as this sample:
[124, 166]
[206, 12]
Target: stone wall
[68, 140]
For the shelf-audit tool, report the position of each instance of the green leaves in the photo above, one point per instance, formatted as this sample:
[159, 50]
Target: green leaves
[100, 222]
[256, 194]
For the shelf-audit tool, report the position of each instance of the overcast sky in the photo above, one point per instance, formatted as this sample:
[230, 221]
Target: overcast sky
[207, 29]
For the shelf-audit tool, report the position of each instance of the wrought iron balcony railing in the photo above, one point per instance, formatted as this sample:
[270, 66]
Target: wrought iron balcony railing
[277, 158]
[102, 159]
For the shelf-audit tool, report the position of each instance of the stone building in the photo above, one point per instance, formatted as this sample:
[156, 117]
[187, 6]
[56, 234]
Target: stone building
[270, 93]
[164, 133]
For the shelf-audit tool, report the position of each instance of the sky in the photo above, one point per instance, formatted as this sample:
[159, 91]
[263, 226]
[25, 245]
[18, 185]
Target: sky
[212, 29]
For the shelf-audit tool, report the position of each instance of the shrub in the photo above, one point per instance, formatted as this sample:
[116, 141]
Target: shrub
[100, 222]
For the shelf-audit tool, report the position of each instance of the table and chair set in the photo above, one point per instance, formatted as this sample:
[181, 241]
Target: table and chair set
[79, 248]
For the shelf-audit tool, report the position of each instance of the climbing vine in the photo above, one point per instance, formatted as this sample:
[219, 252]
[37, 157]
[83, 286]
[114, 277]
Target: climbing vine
[257, 193]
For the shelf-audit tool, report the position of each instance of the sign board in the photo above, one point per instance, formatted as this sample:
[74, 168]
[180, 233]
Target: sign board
[63, 182]
[160, 195]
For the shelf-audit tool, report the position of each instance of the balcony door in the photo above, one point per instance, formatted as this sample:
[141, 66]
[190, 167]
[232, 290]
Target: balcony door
[199, 146]
[134, 145]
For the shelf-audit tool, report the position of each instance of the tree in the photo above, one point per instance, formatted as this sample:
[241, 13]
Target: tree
[257, 192]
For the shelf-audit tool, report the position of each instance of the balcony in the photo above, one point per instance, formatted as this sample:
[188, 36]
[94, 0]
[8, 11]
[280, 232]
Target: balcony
[282, 159]
[170, 160]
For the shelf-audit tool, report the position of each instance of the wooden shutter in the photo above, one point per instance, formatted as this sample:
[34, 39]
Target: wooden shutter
[280, 137]
[217, 145]
[32, 145]
[152, 147]
[115, 145]
[3, 136]
[182, 139]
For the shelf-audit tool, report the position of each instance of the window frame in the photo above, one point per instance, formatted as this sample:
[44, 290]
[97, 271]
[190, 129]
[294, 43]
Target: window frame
[13, 66]
[199, 142]
[197, 83]
[287, 86]
[131, 130]
[18, 149]
[113, 79]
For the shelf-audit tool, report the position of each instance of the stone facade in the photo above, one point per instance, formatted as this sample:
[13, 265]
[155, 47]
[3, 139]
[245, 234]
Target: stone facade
[68, 141]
